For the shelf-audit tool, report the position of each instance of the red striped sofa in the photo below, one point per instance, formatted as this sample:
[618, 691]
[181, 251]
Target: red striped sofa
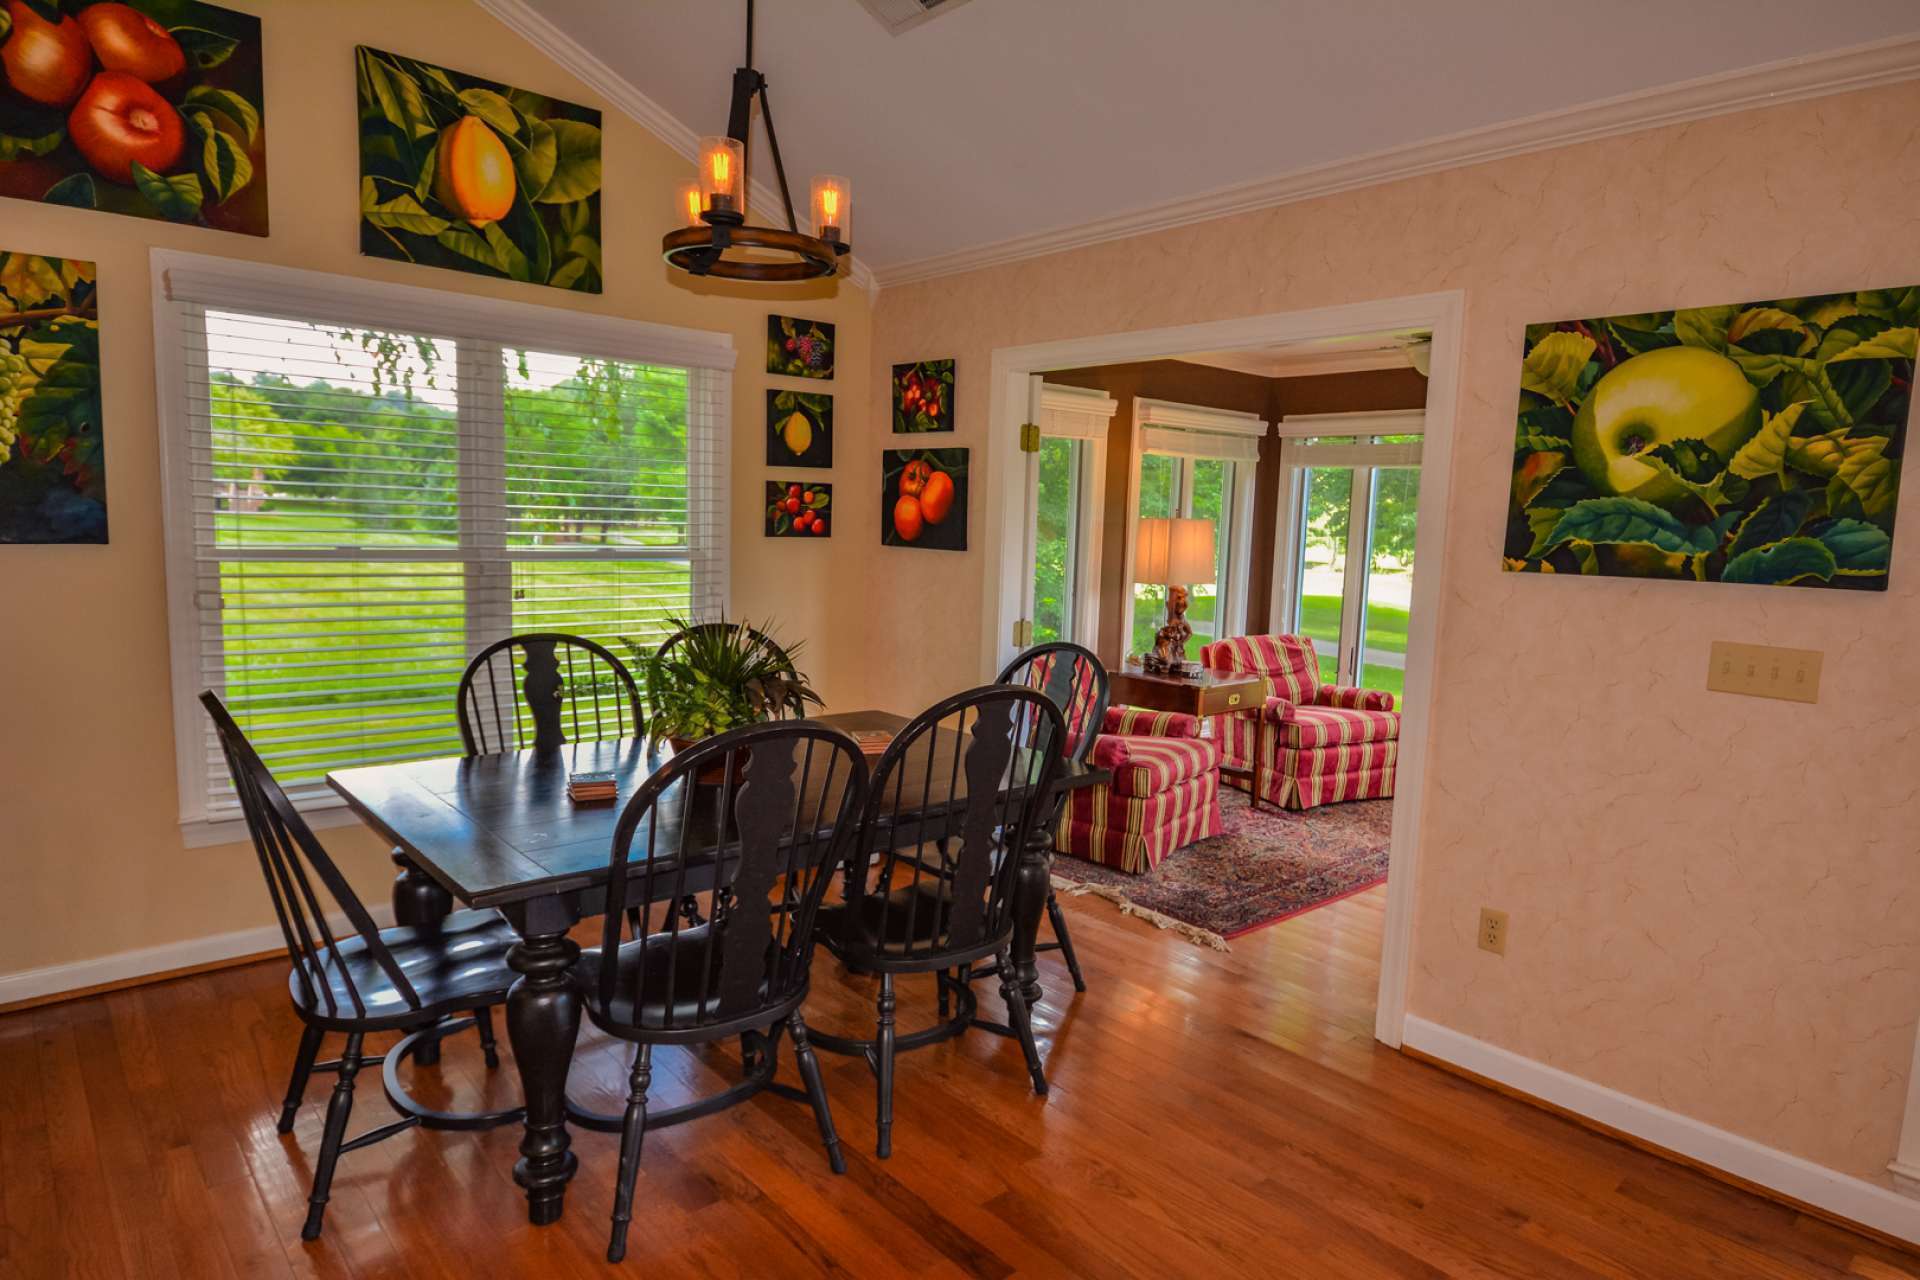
[1165, 792]
[1316, 743]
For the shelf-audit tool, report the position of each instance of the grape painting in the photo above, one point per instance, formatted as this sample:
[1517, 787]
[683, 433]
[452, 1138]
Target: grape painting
[53, 469]
[799, 348]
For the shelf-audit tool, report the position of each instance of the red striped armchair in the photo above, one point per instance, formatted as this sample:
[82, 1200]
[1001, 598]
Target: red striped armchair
[1314, 743]
[1165, 792]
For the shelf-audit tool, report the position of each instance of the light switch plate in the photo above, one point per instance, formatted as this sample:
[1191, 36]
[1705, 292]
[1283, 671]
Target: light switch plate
[1764, 671]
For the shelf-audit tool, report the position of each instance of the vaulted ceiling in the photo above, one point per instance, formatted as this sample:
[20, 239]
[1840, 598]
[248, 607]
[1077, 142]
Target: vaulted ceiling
[1004, 118]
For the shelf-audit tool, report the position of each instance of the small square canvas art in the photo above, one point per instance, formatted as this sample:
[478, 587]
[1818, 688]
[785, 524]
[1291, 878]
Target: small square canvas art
[923, 396]
[1755, 443]
[799, 429]
[799, 510]
[923, 499]
[53, 466]
[799, 348]
[153, 108]
[477, 176]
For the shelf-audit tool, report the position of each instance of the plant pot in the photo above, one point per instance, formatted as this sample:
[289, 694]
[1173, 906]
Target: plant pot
[714, 774]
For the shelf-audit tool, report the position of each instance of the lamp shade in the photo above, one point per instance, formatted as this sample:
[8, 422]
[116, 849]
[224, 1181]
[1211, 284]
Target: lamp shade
[1174, 552]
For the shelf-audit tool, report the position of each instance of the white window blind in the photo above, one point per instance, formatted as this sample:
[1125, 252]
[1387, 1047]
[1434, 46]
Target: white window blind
[356, 508]
[1195, 431]
[1075, 413]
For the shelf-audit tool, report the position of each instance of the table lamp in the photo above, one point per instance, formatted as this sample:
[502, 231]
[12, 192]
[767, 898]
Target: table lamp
[1175, 554]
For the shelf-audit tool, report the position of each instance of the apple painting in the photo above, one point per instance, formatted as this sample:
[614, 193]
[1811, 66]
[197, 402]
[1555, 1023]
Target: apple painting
[1755, 443]
[151, 108]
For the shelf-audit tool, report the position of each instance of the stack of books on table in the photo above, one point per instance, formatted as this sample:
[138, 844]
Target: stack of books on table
[591, 788]
[872, 741]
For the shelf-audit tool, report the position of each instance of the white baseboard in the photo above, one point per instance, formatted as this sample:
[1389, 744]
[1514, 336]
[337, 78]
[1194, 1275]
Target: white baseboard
[1854, 1199]
[32, 984]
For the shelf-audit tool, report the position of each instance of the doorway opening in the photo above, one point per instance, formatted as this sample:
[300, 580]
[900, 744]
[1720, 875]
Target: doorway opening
[1310, 512]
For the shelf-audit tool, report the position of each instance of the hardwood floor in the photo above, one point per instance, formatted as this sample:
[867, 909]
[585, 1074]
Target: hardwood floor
[1210, 1114]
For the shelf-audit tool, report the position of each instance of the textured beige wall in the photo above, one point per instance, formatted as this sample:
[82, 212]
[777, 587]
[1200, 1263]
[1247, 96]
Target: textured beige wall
[90, 855]
[1715, 900]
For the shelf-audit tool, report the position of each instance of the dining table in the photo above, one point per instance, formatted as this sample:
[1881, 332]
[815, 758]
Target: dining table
[499, 831]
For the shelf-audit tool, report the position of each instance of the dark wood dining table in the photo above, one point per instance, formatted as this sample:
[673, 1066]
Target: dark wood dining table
[499, 831]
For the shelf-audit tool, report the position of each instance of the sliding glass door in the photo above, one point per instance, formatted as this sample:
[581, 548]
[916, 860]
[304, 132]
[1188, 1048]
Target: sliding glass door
[1344, 547]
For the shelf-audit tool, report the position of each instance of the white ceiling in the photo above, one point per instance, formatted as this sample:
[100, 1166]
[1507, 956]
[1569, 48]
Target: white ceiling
[1004, 118]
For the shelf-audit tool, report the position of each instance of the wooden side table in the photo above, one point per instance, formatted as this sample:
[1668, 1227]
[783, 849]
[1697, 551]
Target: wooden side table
[1206, 696]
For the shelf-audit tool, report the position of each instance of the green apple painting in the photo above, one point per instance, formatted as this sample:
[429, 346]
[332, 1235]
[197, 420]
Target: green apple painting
[1756, 444]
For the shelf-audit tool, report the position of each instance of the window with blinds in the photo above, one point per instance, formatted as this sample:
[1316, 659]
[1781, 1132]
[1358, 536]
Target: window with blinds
[358, 509]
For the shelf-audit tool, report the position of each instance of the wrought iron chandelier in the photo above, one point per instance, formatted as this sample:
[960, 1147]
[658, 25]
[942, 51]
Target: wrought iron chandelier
[717, 239]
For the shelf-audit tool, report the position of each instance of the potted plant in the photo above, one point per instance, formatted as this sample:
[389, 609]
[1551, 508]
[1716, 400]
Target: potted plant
[715, 678]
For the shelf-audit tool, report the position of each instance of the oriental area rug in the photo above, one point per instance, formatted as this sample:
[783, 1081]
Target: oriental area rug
[1269, 865]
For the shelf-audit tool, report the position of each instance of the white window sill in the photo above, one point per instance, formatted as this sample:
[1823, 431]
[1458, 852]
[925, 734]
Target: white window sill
[202, 834]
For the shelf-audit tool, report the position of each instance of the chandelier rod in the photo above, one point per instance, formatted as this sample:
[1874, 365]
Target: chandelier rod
[748, 84]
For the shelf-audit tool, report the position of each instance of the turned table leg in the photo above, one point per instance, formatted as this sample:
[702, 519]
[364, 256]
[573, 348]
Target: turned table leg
[543, 1018]
[418, 899]
[1030, 884]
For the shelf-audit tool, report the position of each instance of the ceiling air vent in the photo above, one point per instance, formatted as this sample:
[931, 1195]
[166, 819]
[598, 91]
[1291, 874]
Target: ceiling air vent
[900, 15]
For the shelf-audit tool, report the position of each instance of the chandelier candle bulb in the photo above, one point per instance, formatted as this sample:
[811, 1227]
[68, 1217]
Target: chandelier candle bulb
[722, 166]
[832, 208]
[690, 204]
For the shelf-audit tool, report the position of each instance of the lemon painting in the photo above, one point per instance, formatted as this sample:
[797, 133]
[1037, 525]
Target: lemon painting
[799, 429]
[475, 176]
[1756, 443]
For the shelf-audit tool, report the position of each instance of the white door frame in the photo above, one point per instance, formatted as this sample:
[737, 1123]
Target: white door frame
[1003, 525]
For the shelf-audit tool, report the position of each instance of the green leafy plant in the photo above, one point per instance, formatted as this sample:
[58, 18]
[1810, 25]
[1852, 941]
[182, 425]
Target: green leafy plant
[1755, 443]
[718, 677]
[468, 174]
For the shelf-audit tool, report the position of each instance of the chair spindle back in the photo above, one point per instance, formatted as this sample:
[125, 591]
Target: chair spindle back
[291, 859]
[544, 689]
[1074, 680]
[953, 800]
[787, 796]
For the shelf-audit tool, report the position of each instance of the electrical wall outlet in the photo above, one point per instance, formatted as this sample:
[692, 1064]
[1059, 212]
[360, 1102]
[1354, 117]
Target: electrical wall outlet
[1763, 671]
[1493, 931]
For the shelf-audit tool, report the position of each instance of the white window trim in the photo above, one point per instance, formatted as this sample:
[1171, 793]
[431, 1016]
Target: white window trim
[1084, 414]
[307, 295]
[1238, 431]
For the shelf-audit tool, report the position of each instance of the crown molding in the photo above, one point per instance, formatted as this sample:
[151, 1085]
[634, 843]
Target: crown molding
[523, 20]
[1770, 84]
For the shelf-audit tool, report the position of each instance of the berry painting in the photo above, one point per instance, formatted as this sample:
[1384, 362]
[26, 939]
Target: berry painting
[799, 348]
[152, 108]
[796, 510]
[53, 467]
[799, 429]
[923, 396]
[1757, 443]
[923, 499]
[471, 175]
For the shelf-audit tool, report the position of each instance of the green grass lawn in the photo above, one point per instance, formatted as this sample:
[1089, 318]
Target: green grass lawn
[354, 661]
[1320, 621]
[1386, 630]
